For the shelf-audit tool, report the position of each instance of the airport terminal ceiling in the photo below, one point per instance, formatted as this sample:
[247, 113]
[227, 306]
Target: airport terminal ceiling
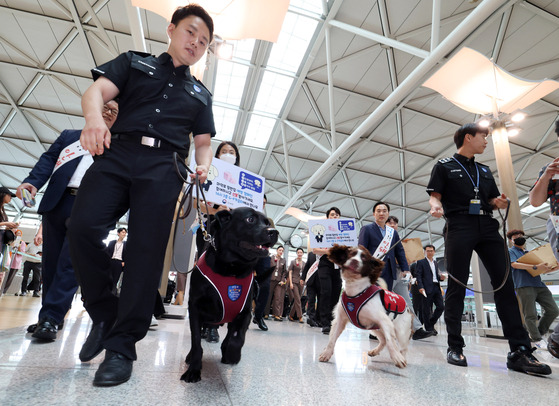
[340, 70]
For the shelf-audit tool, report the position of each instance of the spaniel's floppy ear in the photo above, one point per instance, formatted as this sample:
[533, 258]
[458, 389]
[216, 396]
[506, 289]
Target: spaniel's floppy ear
[338, 254]
[372, 266]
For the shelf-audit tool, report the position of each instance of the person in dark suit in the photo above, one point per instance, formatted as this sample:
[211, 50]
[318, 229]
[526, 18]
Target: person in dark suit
[63, 166]
[374, 237]
[416, 297]
[428, 283]
[116, 250]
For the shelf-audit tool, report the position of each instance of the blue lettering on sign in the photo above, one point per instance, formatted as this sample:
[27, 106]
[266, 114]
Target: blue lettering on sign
[346, 225]
[350, 306]
[234, 292]
[251, 182]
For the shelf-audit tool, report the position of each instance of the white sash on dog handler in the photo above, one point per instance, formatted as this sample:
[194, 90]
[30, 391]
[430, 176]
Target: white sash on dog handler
[312, 269]
[72, 151]
[384, 245]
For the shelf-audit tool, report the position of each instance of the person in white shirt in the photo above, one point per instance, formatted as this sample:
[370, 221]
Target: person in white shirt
[115, 250]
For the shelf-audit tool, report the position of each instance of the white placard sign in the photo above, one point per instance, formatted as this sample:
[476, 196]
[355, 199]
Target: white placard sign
[232, 186]
[324, 233]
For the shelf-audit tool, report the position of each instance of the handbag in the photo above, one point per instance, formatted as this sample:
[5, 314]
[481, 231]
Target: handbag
[8, 237]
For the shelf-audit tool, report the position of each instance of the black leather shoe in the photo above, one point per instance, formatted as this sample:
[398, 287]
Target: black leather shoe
[311, 322]
[421, 334]
[46, 330]
[553, 347]
[94, 342]
[260, 323]
[204, 333]
[522, 360]
[114, 370]
[435, 332]
[213, 335]
[326, 330]
[32, 327]
[454, 357]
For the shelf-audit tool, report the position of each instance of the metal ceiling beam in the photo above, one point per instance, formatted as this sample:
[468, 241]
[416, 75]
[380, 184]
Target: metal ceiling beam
[480, 14]
[109, 46]
[435, 24]
[81, 32]
[286, 160]
[136, 27]
[331, 98]
[402, 46]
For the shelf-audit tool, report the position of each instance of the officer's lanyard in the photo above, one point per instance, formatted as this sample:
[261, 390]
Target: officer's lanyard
[476, 185]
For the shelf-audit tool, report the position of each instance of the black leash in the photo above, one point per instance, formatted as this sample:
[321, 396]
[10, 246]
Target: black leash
[507, 255]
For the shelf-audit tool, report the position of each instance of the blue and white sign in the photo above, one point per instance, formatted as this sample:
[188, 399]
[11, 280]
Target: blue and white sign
[232, 186]
[324, 233]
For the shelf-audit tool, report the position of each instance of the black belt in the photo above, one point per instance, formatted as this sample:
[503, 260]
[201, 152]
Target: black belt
[481, 213]
[148, 142]
[72, 191]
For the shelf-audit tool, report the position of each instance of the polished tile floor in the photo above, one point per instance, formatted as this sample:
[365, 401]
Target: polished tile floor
[279, 367]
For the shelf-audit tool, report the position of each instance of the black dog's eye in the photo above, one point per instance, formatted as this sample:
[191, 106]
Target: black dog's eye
[250, 219]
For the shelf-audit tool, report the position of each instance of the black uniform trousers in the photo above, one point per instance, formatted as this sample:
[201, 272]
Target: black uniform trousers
[330, 290]
[143, 180]
[313, 292]
[59, 279]
[430, 317]
[466, 233]
[262, 266]
[35, 283]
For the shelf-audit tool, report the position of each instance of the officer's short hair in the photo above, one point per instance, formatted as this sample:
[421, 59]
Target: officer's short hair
[513, 232]
[193, 10]
[470, 128]
[378, 204]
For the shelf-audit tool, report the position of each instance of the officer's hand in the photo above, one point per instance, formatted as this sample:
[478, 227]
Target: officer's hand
[437, 211]
[500, 202]
[38, 240]
[32, 189]
[552, 169]
[422, 291]
[202, 171]
[95, 134]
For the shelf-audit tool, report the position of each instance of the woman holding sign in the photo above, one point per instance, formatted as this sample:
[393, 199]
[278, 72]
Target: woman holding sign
[330, 281]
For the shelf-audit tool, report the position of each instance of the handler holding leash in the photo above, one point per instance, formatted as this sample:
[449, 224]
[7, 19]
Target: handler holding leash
[465, 192]
[160, 105]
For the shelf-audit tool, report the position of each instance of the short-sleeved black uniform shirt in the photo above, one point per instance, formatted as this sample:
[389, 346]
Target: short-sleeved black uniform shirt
[158, 100]
[450, 180]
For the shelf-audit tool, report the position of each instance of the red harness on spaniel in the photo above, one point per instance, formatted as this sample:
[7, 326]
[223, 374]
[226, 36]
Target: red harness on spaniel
[232, 291]
[352, 305]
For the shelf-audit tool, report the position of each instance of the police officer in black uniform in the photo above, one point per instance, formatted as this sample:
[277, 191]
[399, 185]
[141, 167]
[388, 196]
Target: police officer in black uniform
[464, 191]
[161, 104]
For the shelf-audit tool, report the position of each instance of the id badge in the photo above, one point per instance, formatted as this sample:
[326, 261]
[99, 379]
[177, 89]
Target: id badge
[475, 206]
[276, 274]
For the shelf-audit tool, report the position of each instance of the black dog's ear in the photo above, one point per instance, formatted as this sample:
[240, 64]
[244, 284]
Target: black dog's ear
[338, 254]
[223, 217]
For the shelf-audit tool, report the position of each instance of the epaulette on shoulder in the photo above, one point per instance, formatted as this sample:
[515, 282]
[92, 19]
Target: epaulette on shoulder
[142, 54]
[480, 164]
[201, 84]
[445, 160]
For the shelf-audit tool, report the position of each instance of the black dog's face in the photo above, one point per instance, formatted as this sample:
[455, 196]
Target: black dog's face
[356, 262]
[243, 235]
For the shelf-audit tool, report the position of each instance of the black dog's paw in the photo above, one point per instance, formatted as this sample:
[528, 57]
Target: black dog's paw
[231, 357]
[192, 376]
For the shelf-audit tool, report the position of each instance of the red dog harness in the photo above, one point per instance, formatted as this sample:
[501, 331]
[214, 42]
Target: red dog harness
[352, 305]
[232, 291]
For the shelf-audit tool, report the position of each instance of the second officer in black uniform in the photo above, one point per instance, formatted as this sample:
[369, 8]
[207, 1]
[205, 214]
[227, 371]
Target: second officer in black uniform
[134, 169]
[465, 192]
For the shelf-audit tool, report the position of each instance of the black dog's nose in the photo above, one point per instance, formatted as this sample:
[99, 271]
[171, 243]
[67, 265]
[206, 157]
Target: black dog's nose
[273, 234]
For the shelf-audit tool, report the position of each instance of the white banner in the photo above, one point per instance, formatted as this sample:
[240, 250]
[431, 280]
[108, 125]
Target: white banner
[324, 233]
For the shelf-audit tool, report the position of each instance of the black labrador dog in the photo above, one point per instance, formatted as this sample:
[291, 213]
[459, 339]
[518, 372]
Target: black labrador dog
[221, 285]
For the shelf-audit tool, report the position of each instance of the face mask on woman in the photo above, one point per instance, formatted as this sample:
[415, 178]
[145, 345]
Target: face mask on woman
[230, 158]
